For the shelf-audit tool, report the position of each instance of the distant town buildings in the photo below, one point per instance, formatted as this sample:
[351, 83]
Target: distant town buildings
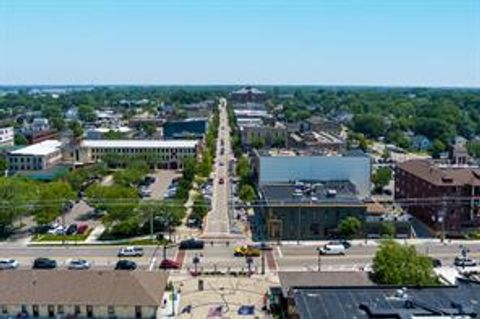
[258, 133]
[7, 136]
[98, 133]
[248, 95]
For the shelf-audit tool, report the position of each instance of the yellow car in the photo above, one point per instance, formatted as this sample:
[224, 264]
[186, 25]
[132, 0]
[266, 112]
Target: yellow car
[246, 251]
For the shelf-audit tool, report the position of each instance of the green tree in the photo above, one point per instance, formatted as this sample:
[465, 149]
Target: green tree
[76, 129]
[3, 164]
[372, 125]
[395, 264]
[117, 200]
[381, 178]
[387, 229]
[86, 113]
[149, 128]
[437, 147]
[133, 174]
[474, 149]
[349, 226]
[51, 201]
[20, 139]
[205, 167]
[58, 123]
[17, 197]
[258, 142]
[189, 168]
[199, 208]
[247, 193]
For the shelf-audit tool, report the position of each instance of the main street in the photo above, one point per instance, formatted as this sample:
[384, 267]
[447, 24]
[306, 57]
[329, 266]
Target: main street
[218, 222]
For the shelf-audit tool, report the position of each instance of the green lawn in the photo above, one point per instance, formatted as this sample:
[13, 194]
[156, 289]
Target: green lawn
[49, 237]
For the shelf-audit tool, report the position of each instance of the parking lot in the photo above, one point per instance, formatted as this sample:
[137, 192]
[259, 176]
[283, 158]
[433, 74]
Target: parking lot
[163, 178]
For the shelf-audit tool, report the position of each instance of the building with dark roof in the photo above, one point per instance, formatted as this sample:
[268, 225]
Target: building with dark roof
[461, 302]
[439, 194]
[248, 95]
[193, 128]
[81, 294]
[307, 210]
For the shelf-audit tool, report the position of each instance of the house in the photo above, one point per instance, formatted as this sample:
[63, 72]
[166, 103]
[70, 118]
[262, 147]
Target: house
[81, 294]
[7, 135]
[248, 95]
[421, 143]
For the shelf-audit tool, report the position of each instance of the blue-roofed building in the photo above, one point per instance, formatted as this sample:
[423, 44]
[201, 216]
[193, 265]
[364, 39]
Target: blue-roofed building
[193, 128]
[421, 143]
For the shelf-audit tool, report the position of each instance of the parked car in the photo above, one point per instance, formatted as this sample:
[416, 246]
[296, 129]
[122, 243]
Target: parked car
[59, 230]
[246, 251]
[44, 263]
[462, 261]
[82, 229]
[124, 264]
[150, 179]
[145, 192]
[330, 249]
[192, 243]
[169, 264]
[8, 264]
[221, 180]
[72, 229]
[130, 252]
[78, 264]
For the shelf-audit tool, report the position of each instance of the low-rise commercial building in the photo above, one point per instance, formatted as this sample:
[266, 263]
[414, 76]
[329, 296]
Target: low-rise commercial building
[159, 153]
[321, 141]
[192, 128]
[307, 210]
[7, 136]
[40, 156]
[287, 165]
[439, 193]
[267, 135]
[81, 294]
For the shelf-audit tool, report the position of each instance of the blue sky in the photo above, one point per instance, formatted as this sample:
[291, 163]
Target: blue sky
[327, 42]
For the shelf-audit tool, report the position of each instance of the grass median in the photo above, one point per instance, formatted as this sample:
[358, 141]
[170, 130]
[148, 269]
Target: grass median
[51, 237]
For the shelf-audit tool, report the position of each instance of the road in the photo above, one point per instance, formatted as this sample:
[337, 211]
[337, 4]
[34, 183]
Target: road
[218, 223]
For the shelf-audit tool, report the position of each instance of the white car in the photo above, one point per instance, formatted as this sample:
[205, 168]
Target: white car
[78, 264]
[59, 230]
[8, 264]
[330, 249]
[130, 252]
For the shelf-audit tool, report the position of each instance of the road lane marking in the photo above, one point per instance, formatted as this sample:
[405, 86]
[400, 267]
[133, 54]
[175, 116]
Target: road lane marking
[152, 263]
[279, 251]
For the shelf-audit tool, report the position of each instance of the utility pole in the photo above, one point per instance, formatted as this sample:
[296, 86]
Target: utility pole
[442, 215]
[319, 261]
[263, 261]
[151, 226]
[298, 226]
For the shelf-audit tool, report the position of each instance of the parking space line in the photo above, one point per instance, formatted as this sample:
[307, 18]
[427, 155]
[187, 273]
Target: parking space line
[279, 252]
[152, 263]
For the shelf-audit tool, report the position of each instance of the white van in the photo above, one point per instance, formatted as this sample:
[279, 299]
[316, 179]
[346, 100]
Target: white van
[330, 249]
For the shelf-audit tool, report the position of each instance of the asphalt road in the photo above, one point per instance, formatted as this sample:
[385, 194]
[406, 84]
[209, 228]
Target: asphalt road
[218, 223]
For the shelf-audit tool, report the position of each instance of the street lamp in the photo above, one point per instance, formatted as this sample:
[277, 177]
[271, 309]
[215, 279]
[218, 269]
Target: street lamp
[196, 261]
[319, 260]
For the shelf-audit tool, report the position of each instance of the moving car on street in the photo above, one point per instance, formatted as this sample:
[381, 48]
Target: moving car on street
[330, 249]
[124, 264]
[8, 264]
[463, 261]
[192, 243]
[44, 263]
[246, 251]
[130, 252]
[78, 264]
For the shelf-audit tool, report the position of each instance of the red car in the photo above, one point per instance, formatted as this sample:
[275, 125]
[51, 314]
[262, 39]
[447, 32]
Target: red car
[221, 181]
[169, 264]
[82, 229]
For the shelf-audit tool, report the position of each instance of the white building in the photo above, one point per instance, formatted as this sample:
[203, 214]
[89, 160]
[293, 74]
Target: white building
[160, 153]
[288, 166]
[35, 157]
[6, 136]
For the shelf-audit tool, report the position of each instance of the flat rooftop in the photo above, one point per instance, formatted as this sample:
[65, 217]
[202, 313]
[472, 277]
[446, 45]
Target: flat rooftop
[311, 193]
[310, 151]
[43, 148]
[139, 143]
[462, 301]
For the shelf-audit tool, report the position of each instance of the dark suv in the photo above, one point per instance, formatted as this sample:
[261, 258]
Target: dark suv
[44, 263]
[124, 264]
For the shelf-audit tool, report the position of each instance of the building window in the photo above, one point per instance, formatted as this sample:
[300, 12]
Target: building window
[23, 309]
[60, 309]
[77, 310]
[4, 309]
[89, 311]
[111, 310]
[35, 311]
[51, 311]
[138, 312]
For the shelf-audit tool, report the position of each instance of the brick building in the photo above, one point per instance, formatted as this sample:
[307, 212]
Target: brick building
[423, 187]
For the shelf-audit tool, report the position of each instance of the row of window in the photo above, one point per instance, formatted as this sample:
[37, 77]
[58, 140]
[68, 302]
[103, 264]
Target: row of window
[29, 159]
[89, 310]
[143, 150]
[25, 167]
